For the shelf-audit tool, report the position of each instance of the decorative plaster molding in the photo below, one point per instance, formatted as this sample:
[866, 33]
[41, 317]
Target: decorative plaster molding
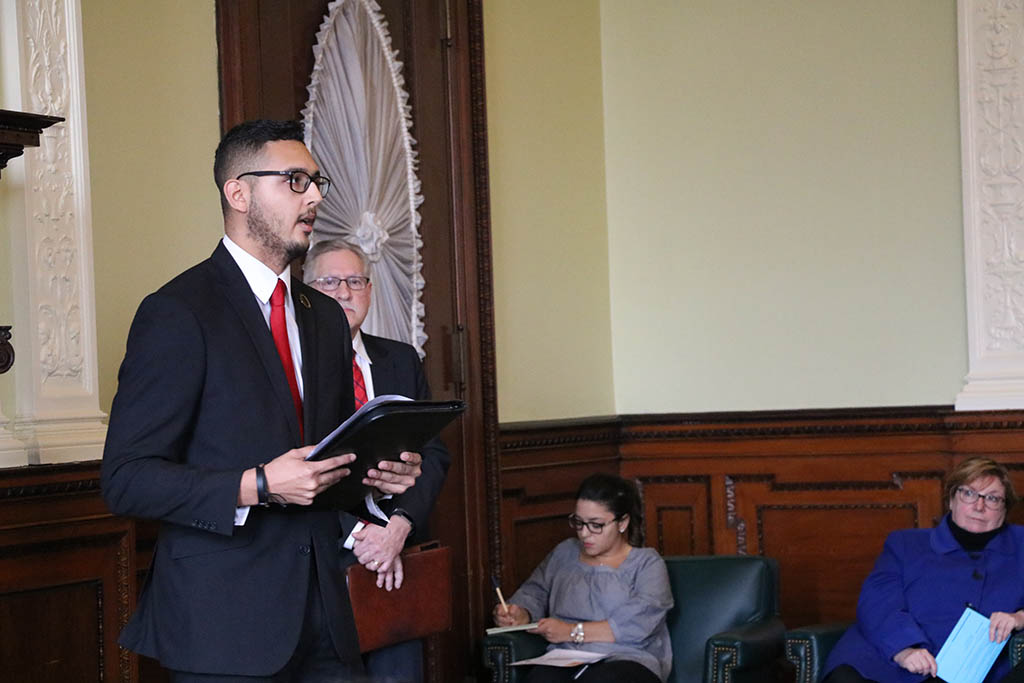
[991, 50]
[57, 414]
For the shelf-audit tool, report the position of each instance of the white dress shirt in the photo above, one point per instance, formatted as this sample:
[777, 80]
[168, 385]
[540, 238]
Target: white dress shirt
[263, 281]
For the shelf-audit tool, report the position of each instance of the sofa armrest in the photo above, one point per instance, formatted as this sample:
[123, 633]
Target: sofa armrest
[752, 651]
[1017, 648]
[807, 648]
[501, 649]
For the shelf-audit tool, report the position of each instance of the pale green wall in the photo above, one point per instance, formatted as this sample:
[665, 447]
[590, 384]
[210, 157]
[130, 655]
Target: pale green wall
[153, 116]
[783, 212]
[783, 203]
[545, 130]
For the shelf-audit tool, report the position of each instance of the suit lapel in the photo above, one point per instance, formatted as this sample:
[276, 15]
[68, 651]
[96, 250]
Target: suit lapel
[239, 294]
[382, 366]
[307, 338]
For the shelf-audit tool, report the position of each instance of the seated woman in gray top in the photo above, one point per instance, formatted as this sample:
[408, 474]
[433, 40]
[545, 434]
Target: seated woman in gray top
[600, 592]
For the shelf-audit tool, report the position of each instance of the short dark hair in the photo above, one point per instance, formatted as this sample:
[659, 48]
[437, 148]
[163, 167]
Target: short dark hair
[621, 497]
[973, 469]
[244, 142]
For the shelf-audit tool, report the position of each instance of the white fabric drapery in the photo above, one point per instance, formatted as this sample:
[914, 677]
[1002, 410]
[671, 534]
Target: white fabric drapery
[357, 122]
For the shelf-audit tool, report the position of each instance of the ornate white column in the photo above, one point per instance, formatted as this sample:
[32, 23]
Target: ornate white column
[991, 48]
[12, 451]
[57, 416]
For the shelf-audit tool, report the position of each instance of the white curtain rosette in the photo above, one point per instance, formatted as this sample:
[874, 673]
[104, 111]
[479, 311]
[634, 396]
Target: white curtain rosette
[357, 122]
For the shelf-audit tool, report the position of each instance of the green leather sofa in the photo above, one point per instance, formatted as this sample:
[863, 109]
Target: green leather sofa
[724, 626]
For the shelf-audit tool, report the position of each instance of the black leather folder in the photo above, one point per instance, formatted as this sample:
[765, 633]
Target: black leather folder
[380, 430]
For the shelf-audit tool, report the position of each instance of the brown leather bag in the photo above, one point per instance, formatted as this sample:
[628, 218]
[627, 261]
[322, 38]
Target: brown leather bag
[421, 607]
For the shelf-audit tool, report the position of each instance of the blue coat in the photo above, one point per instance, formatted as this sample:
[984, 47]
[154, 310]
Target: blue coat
[917, 591]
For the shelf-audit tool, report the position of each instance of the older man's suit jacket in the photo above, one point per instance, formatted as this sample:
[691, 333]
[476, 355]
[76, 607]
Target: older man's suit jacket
[202, 397]
[396, 369]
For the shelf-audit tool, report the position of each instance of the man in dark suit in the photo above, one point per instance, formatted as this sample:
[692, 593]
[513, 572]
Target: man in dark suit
[339, 269]
[229, 370]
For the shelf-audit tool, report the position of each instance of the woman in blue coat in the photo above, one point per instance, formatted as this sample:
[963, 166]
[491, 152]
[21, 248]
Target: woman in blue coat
[925, 577]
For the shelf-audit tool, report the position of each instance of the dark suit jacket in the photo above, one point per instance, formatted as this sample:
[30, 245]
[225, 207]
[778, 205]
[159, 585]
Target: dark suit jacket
[396, 369]
[202, 397]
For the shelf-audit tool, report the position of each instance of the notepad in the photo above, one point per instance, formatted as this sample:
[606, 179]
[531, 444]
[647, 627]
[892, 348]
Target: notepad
[507, 629]
[564, 657]
[968, 654]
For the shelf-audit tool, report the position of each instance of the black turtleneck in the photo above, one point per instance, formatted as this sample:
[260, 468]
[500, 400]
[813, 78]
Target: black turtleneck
[970, 541]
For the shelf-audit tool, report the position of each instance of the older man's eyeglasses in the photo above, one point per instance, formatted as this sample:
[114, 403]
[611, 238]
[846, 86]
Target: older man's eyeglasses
[970, 496]
[578, 523]
[298, 181]
[329, 283]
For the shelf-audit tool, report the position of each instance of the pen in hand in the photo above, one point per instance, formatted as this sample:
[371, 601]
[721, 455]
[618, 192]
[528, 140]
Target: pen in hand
[497, 589]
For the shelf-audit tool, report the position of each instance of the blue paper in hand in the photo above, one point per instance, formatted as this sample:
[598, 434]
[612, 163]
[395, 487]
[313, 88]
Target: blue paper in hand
[968, 654]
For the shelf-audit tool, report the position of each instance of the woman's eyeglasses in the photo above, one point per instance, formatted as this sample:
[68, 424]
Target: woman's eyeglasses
[578, 523]
[970, 496]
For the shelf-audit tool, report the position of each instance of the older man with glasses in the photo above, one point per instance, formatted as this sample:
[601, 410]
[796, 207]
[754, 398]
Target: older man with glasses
[381, 366]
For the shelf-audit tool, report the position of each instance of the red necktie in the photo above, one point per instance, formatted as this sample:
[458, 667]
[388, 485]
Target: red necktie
[279, 329]
[358, 384]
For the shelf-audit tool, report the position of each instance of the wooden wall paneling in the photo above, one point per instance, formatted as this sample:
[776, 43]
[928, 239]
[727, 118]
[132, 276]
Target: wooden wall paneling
[826, 537]
[533, 535]
[677, 514]
[818, 490]
[779, 488]
[265, 53]
[66, 577]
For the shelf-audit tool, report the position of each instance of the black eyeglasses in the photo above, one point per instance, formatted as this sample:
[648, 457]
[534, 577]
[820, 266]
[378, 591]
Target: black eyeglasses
[578, 523]
[298, 181]
[970, 497]
[330, 283]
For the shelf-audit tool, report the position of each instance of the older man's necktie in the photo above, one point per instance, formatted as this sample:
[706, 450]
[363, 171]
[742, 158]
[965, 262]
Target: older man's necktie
[358, 384]
[279, 330]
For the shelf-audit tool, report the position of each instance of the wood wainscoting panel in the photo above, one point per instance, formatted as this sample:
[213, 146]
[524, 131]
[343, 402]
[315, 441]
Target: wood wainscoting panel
[66, 577]
[56, 653]
[677, 519]
[826, 536]
[542, 465]
[535, 536]
[818, 490]
[823, 550]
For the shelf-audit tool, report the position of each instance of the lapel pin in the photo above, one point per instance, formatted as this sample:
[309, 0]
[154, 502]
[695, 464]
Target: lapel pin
[305, 301]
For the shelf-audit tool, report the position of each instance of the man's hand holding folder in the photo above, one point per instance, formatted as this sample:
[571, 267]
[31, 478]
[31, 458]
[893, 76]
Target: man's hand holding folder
[385, 432]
